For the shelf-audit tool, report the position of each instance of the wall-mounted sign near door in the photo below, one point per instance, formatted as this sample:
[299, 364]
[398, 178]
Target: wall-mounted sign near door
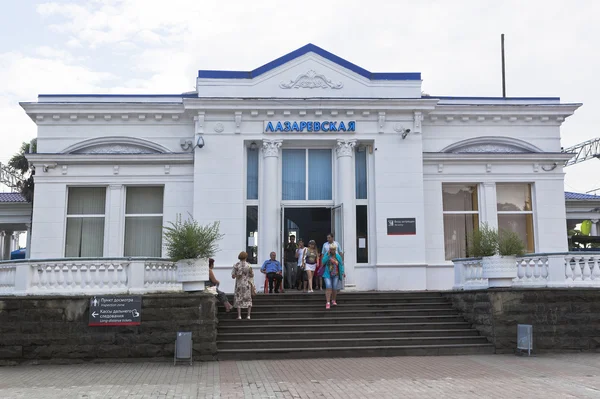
[401, 227]
[115, 310]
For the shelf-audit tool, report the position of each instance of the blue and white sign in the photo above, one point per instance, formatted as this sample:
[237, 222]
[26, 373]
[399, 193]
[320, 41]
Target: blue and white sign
[310, 126]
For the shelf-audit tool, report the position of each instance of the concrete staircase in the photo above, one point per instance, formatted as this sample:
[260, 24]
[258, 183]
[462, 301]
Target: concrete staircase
[297, 325]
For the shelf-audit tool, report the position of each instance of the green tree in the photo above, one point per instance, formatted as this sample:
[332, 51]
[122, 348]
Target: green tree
[20, 164]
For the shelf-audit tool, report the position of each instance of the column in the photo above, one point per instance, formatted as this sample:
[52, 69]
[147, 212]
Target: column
[347, 198]
[594, 231]
[489, 206]
[28, 245]
[269, 201]
[6, 245]
[2, 236]
[114, 241]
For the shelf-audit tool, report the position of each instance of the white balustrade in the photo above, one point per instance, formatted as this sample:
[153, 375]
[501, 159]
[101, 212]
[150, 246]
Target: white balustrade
[161, 276]
[574, 269]
[87, 276]
[532, 271]
[8, 275]
[582, 269]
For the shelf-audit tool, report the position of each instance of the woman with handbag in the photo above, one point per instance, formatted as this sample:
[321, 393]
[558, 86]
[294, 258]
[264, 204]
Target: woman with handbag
[244, 285]
[300, 274]
[310, 262]
[332, 275]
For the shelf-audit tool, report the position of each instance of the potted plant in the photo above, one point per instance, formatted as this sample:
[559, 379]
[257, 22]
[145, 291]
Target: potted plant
[498, 252]
[189, 245]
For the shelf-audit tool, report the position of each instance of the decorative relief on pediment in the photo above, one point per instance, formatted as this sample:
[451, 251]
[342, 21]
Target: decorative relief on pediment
[311, 80]
[115, 149]
[489, 148]
[491, 145]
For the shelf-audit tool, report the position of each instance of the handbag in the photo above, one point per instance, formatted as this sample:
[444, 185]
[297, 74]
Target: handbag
[252, 288]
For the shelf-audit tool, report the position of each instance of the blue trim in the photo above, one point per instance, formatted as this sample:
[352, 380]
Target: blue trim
[213, 74]
[494, 98]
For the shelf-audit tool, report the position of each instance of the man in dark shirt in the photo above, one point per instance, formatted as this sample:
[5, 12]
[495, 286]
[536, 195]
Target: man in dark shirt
[290, 262]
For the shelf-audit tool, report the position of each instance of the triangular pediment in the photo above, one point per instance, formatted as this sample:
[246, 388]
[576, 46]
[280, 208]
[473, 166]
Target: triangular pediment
[306, 73]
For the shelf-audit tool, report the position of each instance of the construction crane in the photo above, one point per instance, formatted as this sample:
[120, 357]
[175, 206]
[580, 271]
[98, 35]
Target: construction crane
[9, 177]
[583, 151]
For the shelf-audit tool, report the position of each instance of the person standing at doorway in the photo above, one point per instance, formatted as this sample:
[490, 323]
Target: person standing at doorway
[310, 262]
[290, 262]
[272, 268]
[333, 274]
[300, 273]
[331, 241]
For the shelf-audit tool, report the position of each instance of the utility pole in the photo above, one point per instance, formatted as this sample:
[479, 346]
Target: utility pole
[503, 68]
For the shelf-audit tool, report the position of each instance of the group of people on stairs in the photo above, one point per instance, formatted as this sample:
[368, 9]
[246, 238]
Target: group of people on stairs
[299, 273]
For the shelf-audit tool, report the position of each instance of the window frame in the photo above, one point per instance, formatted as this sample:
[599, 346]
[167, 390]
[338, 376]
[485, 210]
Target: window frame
[127, 215]
[104, 215]
[531, 212]
[478, 189]
[317, 203]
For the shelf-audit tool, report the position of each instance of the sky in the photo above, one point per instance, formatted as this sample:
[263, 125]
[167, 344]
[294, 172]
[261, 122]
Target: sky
[152, 46]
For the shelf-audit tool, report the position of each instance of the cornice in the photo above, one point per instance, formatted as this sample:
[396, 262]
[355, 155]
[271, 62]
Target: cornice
[276, 104]
[501, 113]
[51, 160]
[432, 157]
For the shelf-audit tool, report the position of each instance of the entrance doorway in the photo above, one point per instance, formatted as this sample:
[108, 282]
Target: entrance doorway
[307, 224]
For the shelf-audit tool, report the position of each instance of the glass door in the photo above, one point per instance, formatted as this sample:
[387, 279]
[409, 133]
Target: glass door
[337, 224]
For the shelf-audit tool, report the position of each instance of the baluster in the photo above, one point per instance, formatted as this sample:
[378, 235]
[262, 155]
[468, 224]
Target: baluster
[112, 274]
[595, 271]
[164, 277]
[122, 275]
[469, 272]
[103, 276]
[529, 269]
[577, 269]
[65, 271]
[544, 272]
[569, 269]
[172, 275]
[35, 279]
[537, 269]
[86, 276]
[587, 272]
[521, 269]
[47, 281]
[76, 272]
[95, 278]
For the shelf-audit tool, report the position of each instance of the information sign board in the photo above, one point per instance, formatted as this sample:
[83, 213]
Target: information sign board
[115, 310]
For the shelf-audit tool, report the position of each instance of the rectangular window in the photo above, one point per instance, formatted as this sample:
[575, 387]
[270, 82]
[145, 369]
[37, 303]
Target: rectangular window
[86, 208]
[252, 175]
[515, 211]
[307, 174]
[252, 234]
[144, 221]
[319, 175]
[461, 217]
[362, 234]
[294, 174]
[360, 166]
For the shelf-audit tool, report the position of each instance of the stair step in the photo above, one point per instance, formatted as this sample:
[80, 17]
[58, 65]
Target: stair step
[355, 306]
[321, 313]
[331, 318]
[260, 328]
[358, 351]
[333, 342]
[323, 334]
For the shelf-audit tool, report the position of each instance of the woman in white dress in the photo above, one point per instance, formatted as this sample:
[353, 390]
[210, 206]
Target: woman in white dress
[310, 262]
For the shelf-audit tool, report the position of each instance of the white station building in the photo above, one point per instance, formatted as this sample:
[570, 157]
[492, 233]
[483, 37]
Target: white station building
[306, 144]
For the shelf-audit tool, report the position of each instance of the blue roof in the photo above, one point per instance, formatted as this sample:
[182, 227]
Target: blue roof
[12, 197]
[578, 196]
[212, 74]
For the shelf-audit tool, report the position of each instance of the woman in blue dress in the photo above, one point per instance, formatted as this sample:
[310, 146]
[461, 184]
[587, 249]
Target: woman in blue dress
[333, 275]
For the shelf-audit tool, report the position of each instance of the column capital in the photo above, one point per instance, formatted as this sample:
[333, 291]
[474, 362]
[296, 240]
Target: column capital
[2, 233]
[115, 186]
[271, 148]
[594, 220]
[345, 148]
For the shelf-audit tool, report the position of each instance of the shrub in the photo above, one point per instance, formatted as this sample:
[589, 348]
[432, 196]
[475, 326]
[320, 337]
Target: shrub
[483, 242]
[190, 240]
[509, 244]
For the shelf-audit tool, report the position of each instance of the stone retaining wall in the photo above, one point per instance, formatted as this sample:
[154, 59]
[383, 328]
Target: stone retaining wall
[56, 328]
[562, 319]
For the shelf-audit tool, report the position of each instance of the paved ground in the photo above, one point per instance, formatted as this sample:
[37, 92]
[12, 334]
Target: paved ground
[546, 376]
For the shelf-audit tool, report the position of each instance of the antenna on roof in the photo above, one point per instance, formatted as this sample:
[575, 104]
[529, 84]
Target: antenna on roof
[503, 70]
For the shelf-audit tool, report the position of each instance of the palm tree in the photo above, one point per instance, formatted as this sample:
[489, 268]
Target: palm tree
[20, 165]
